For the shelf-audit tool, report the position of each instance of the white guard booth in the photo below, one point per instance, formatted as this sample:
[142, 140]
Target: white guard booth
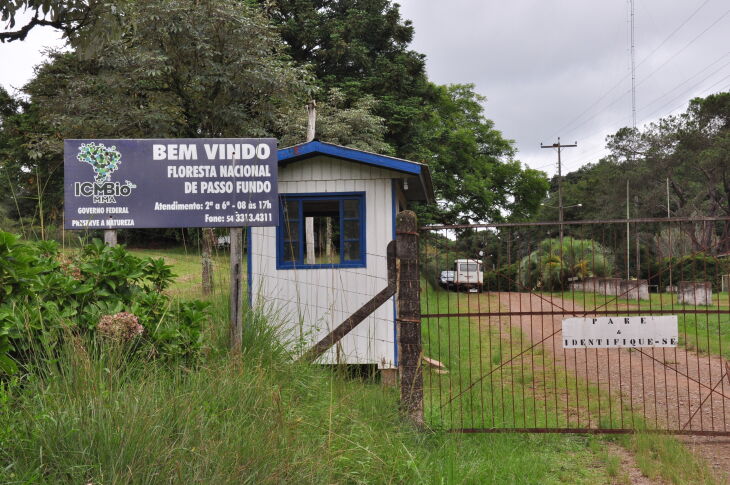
[327, 256]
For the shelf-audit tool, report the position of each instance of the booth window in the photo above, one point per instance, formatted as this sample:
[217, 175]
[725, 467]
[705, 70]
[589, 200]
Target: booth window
[321, 231]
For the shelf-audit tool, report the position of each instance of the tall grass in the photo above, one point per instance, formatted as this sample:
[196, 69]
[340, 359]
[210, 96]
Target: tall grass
[90, 414]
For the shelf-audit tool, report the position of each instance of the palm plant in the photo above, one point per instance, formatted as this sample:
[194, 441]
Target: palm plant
[552, 265]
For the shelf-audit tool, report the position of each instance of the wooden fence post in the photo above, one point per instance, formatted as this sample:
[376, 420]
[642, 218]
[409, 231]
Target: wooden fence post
[236, 329]
[409, 318]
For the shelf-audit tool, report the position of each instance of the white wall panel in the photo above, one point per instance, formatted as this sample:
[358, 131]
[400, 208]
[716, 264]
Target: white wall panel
[309, 303]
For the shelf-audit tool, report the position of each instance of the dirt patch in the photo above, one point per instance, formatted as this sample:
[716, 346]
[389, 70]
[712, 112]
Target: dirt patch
[715, 451]
[628, 472]
[667, 386]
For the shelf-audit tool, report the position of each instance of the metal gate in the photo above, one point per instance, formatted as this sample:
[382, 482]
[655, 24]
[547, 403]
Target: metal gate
[494, 359]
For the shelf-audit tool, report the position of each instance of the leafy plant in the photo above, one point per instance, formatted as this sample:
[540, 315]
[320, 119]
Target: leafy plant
[552, 265]
[45, 294]
[695, 267]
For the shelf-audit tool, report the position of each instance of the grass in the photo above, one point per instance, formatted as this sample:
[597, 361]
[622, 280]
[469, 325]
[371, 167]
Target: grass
[186, 264]
[90, 415]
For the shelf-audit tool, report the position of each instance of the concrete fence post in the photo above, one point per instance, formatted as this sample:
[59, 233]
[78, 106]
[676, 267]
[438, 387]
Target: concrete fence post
[408, 321]
[110, 237]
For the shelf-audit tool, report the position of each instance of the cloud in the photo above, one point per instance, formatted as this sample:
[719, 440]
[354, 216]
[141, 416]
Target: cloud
[562, 68]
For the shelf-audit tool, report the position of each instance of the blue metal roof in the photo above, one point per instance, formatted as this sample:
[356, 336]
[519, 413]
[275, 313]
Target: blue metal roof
[313, 148]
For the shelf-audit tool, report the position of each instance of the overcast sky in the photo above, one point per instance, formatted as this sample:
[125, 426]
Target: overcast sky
[547, 68]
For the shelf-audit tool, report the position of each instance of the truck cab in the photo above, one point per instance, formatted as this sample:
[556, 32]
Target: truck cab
[468, 275]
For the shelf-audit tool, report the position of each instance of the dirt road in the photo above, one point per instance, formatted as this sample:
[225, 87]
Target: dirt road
[672, 387]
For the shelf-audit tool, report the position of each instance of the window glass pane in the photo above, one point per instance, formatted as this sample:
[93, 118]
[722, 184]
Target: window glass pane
[291, 209]
[352, 230]
[352, 209]
[352, 251]
[470, 267]
[291, 251]
[291, 230]
[322, 231]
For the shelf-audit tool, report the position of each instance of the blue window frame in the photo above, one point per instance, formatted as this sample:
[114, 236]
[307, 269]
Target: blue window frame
[321, 231]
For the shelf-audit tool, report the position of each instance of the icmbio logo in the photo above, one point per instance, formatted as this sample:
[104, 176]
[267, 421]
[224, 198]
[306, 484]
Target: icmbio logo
[105, 161]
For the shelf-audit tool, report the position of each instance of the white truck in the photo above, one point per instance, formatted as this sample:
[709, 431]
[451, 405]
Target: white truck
[468, 275]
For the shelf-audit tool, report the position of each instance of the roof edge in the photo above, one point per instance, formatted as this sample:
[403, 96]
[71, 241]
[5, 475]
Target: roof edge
[312, 148]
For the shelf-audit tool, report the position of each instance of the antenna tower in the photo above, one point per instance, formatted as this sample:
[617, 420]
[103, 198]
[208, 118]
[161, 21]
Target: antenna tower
[633, 69]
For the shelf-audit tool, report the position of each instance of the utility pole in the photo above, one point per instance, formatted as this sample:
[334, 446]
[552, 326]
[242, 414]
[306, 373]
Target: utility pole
[560, 183]
[636, 237]
[669, 234]
[628, 239]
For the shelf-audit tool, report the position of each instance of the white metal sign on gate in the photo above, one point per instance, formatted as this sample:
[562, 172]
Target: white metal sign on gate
[618, 332]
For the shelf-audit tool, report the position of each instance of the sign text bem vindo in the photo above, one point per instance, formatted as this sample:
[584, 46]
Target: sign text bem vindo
[620, 332]
[157, 183]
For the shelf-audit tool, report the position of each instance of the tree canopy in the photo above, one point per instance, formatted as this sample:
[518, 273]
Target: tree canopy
[178, 69]
[690, 151]
[361, 48]
[67, 16]
[476, 177]
[210, 68]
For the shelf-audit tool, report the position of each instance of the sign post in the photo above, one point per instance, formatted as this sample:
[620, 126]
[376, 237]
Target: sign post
[161, 183]
[236, 337]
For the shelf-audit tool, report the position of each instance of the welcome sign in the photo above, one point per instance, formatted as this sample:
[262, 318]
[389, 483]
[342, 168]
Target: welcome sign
[158, 183]
[620, 332]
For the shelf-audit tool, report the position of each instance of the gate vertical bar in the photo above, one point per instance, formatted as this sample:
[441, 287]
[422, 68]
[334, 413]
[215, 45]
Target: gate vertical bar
[409, 318]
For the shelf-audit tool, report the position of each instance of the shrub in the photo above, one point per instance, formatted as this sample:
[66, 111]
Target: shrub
[549, 267]
[45, 294]
[695, 267]
[502, 279]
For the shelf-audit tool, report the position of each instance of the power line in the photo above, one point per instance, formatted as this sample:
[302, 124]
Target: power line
[676, 54]
[674, 32]
[589, 158]
[684, 92]
[692, 77]
[674, 98]
[651, 115]
[623, 78]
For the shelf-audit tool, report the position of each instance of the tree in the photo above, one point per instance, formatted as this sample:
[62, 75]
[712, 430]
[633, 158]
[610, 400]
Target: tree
[475, 174]
[67, 16]
[356, 127]
[28, 176]
[692, 152]
[360, 47]
[184, 68]
[178, 69]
